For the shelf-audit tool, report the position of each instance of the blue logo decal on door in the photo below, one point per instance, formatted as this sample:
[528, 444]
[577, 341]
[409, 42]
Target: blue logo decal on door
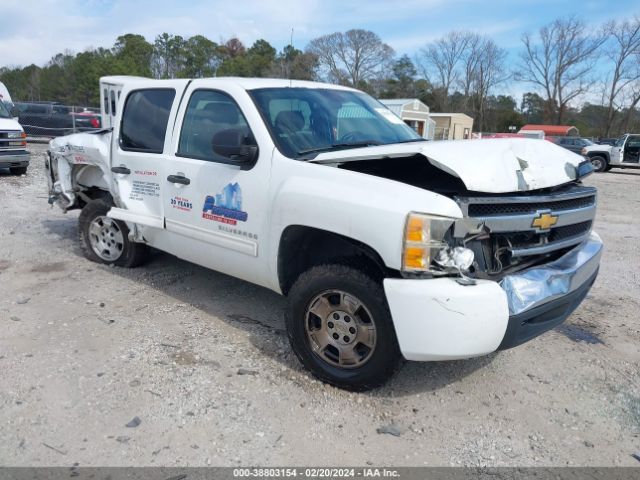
[225, 207]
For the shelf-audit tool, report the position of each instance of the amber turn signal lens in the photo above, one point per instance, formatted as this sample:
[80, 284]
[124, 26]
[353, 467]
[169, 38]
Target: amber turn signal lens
[415, 229]
[416, 257]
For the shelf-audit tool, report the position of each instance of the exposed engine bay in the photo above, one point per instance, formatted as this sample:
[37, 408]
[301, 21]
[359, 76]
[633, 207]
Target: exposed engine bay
[507, 232]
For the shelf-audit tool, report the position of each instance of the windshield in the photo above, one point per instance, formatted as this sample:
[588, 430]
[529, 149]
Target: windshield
[304, 121]
[586, 142]
[4, 110]
[620, 141]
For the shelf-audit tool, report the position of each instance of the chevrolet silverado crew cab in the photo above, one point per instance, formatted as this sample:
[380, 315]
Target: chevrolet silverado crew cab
[386, 246]
[13, 142]
[624, 153]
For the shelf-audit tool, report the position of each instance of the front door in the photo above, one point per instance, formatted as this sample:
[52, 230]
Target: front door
[216, 210]
[138, 146]
[616, 155]
[632, 150]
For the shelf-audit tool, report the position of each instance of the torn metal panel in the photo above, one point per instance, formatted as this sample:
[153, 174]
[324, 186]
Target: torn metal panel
[79, 160]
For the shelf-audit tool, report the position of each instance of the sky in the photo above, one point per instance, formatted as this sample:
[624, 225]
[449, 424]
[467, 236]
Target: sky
[32, 31]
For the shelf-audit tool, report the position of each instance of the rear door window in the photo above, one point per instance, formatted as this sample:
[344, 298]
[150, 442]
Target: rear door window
[144, 120]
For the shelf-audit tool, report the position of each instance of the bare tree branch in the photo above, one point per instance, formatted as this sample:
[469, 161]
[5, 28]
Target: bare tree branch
[351, 57]
[560, 62]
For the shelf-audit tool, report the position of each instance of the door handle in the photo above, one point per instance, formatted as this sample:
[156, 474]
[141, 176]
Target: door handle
[121, 170]
[179, 179]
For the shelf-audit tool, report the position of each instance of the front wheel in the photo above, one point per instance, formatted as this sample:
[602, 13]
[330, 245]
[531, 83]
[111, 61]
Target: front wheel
[340, 327]
[106, 240]
[599, 163]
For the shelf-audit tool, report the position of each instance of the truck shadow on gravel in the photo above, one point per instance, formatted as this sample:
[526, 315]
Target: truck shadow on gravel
[259, 312]
[256, 310]
[633, 173]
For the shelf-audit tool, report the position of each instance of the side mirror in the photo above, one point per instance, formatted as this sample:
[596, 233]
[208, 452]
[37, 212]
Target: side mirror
[234, 145]
[14, 112]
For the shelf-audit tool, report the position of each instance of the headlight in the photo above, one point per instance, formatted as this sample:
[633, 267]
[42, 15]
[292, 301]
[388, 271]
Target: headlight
[16, 135]
[423, 239]
[584, 169]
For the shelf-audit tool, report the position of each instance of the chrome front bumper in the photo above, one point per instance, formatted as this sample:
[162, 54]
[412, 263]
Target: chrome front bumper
[537, 286]
[14, 159]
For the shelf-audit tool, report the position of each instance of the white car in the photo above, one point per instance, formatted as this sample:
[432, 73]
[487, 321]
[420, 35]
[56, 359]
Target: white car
[387, 246]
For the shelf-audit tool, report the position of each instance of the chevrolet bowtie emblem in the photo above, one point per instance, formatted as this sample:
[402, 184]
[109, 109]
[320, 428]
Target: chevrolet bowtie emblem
[544, 221]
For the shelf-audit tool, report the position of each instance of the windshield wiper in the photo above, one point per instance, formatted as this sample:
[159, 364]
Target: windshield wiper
[411, 140]
[334, 146]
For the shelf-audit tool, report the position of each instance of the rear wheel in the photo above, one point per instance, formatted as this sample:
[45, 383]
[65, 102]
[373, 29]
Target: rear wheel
[105, 240]
[339, 326]
[18, 170]
[599, 163]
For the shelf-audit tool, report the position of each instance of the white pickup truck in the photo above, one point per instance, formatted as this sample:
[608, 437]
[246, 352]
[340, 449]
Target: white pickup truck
[387, 246]
[624, 153]
[13, 141]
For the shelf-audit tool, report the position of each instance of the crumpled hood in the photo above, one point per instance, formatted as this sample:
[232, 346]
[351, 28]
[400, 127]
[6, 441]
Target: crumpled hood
[498, 165]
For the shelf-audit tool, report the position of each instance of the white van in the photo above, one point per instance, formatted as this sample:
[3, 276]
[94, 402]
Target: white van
[13, 141]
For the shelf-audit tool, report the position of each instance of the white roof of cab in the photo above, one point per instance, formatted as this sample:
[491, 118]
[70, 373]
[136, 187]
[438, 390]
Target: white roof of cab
[246, 83]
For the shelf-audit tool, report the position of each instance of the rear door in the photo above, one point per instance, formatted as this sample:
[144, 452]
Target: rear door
[141, 139]
[216, 210]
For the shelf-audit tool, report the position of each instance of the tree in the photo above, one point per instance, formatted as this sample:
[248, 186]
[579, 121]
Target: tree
[488, 73]
[440, 62]
[234, 47]
[401, 84]
[260, 56]
[351, 57]
[623, 52]
[532, 107]
[202, 57]
[294, 64]
[168, 55]
[133, 54]
[559, 63]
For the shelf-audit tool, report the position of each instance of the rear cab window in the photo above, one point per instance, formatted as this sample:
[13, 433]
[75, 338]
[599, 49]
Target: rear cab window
[144, 120]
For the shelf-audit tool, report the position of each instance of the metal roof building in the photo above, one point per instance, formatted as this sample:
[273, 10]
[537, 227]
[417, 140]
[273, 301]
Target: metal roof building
[554, 130]
[414, 113]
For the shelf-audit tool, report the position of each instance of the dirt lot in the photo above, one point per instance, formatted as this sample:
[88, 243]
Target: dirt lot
[201, 360]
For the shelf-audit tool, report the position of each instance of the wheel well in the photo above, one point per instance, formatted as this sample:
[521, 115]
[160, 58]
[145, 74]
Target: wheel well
[604, 155]
[304, 247]
[93, 193]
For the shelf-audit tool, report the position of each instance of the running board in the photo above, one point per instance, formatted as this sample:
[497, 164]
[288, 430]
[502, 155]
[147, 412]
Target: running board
[137, 218]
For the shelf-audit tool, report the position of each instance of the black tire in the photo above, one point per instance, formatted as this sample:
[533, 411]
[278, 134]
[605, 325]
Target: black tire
[18, 170]
[599, 163]
[384, 359]
[132, 253]
[609, 167]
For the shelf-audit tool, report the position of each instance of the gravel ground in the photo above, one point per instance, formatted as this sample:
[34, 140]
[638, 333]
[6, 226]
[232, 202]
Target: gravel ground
[201, 361]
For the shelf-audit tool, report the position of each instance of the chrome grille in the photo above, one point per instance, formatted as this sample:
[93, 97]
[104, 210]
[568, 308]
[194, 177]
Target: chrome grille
[510, 219]
[493, 209]
[10, 144]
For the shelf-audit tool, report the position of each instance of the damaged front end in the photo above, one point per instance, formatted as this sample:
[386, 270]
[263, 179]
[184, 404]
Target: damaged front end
[508, 233]
[78, 168]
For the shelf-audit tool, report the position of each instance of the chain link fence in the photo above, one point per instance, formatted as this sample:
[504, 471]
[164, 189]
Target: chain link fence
[52, 119]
